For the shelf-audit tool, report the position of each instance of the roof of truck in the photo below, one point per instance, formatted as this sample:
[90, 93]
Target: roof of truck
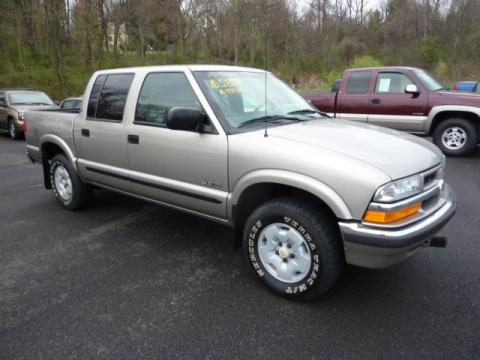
[385, 68]
[191, 67]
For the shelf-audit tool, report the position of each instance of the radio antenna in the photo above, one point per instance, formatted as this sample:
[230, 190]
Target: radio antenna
[265, 61]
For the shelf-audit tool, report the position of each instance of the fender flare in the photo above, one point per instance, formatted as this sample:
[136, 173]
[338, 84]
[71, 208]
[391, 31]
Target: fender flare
[49, 138]
[454, 108]
[317, 188]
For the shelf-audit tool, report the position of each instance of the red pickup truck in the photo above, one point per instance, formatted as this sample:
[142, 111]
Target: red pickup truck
[407, 99]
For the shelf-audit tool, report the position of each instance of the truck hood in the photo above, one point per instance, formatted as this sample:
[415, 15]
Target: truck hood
[395, 153]
[455, 98]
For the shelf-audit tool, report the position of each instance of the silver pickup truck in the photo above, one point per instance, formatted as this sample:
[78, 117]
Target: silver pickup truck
[304, 193]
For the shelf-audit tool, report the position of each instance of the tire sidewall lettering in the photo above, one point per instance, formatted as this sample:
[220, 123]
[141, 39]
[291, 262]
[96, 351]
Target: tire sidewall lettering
[313, 275]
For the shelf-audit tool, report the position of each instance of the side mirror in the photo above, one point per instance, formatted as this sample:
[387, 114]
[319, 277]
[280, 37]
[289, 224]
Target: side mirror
[187, 119]
[412, 89]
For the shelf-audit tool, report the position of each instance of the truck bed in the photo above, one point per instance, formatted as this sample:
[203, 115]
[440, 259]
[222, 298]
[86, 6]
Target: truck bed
[56, 122]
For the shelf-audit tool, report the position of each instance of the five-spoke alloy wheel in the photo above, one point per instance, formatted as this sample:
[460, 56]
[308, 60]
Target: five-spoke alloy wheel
[456, 137]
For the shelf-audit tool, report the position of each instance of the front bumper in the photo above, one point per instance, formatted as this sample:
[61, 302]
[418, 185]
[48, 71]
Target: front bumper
[372, 247]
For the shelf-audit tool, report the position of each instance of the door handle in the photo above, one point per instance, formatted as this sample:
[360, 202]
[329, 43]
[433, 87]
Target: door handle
[375, 101]
[133, 139]
[86, 132]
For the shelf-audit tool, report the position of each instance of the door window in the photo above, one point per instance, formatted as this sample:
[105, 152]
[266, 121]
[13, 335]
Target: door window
[108, 97]
[160, 92]
[2, 100]
[359, 82]
[392, 83]
[113, 97]
[94, 94]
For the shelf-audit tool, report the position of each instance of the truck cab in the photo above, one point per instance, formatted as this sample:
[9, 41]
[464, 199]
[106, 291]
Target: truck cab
[406, 99]
[304, 193]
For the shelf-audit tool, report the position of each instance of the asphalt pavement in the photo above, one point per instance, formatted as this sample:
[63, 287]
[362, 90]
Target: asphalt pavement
[126, 279]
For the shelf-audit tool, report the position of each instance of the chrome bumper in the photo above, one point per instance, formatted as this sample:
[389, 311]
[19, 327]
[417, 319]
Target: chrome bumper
[381, 247]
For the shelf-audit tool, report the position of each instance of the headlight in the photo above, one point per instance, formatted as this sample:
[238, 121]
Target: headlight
[399, 189]
[21, 115]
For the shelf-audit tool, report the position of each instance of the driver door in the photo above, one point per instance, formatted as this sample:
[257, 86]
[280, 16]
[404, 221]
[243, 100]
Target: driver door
[181, 168]
[391, 107]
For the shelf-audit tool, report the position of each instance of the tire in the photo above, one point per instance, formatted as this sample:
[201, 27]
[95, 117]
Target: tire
[69, 190]
[13, 131]
[311, 233]
[456, 137]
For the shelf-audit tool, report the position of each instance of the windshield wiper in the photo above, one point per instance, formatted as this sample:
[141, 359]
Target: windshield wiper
[442, 88]
[307, 111]
[269, 119]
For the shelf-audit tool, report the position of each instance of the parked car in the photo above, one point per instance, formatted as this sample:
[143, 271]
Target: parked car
[406, 99]
[303, 192]
[71, 103]
[467, 86]
[14, 104]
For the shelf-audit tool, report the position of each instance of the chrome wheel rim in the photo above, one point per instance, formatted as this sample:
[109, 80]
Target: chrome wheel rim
[454, 138]
[63, 183]
[284, 253]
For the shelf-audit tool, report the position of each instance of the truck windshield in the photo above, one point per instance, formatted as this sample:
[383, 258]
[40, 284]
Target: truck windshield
[429, 81]
[29, 98]
[239, 97]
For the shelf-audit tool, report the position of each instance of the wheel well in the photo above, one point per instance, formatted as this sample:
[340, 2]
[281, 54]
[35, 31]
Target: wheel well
[49, 150]
[444, 115]
[253, 196]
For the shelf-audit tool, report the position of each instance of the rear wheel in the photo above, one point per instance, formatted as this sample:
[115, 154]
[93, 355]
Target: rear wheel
[69, 190]
[456, 137]
[294, 248]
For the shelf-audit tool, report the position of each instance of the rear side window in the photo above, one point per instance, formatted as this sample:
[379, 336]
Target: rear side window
[108, 97]
[160, 92]
[111, 102]
[359, 82]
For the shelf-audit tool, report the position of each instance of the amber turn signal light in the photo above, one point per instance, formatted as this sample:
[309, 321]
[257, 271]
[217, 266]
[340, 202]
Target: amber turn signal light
[383, 217]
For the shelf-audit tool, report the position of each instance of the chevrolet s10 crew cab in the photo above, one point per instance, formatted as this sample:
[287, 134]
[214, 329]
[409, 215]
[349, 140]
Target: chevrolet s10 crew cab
[304, 196]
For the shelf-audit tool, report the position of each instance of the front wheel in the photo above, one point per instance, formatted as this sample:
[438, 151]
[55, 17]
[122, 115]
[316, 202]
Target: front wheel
[12, 130]
[294, 248]
[456, 137]
[68, 188]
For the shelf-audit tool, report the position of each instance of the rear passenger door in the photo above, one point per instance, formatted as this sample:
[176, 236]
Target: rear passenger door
[352, 101]
[390, 106]
[182, 168]
[100, 135]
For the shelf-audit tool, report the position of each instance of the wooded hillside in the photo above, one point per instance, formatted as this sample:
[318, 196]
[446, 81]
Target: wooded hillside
[54, 45]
